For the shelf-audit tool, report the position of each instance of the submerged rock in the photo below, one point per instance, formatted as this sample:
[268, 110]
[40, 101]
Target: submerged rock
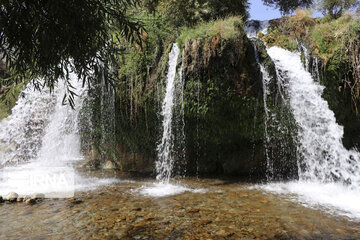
[30, 201]
[11, 197]
[74, 201]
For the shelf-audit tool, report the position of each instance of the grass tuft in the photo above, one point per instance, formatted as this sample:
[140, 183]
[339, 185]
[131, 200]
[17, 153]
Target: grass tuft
[226, 28]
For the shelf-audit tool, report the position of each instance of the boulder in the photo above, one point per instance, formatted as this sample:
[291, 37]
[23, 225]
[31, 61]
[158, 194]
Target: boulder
[11, 197]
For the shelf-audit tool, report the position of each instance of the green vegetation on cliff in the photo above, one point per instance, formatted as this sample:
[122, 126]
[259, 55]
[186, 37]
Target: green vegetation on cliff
[226, 29]
[190, 12]
[222, 98]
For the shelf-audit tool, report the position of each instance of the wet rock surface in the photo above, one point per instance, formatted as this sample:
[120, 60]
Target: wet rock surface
[227, 210]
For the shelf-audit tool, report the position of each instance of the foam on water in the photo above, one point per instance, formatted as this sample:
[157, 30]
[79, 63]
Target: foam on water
[166, 189]
[20, 179]
[333, 197]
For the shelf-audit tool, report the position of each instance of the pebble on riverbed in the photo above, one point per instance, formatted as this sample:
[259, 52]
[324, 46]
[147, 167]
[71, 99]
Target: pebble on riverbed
[14, 197]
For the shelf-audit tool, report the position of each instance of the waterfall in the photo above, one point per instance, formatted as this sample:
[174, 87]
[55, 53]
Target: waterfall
[305, 51]
[107, 117]
[315, 69]
[173, 126]
[21, 132]
[324, 158]
[43, 144]
[165, 161]
[329, 174]
[179, 139]
[254, 26]
[198, 146]
[265, 77]
[61, 142]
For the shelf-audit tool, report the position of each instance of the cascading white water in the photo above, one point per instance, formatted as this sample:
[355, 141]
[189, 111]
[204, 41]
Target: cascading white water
[329, 174]
[253, 27]
[165, 161]
[21, 133]
[325, 159]
[54, 149]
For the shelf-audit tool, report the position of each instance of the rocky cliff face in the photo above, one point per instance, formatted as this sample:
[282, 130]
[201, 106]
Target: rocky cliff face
[223, 110]
[224, 117]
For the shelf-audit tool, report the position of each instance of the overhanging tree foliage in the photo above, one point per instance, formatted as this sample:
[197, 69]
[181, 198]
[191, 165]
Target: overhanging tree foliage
[288, 6]
[335, 8]
[222, 8]
[43, 38]
[190, 12]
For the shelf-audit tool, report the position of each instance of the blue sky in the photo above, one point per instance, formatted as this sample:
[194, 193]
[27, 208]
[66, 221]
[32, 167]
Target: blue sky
[259, 11]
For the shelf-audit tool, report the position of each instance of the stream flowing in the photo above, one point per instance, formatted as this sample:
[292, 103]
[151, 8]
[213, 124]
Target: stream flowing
[40, 140]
